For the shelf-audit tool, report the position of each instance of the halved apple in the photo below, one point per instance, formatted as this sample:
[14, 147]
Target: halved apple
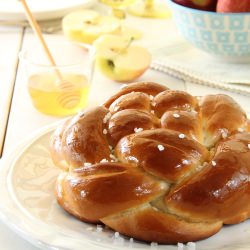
[87, 25]
[119, 60]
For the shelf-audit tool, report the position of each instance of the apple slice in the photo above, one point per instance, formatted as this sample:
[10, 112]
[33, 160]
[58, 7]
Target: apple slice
[87, 25]
[119, 60]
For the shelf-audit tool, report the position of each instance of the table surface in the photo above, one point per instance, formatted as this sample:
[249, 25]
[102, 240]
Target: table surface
[18, 118]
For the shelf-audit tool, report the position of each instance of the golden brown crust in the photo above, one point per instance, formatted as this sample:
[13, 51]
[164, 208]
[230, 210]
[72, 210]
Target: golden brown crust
[149, 224]
[156, 164]
[150, 88]
[178, 157]
[220, 114]
[136, 100]
[83, 140]
[100, 193]
[186, 122]
[173, 100]
[214, 193]
[128, 121]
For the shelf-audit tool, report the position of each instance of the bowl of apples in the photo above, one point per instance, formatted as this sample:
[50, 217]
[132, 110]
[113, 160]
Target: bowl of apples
[219, 27]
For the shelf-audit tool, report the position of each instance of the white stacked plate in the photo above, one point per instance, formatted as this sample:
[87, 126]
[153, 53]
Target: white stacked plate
[29, 207]
[42, 9]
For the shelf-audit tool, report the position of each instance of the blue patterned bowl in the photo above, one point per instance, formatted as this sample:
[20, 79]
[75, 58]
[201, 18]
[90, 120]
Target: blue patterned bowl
[223, 34]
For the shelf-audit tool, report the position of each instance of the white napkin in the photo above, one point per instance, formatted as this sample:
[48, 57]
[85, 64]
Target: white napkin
[182, 60]
[188, 77]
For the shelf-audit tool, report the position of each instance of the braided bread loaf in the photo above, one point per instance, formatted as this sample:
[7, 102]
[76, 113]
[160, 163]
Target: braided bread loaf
[156, 164]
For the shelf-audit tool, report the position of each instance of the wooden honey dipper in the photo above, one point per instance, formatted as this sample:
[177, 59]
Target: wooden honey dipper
[68, 98]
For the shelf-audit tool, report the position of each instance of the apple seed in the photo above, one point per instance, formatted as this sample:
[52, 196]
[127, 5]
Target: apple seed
[111, 63]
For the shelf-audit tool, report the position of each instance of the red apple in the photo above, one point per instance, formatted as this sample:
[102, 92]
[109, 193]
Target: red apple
[209, 5]
[233, 6]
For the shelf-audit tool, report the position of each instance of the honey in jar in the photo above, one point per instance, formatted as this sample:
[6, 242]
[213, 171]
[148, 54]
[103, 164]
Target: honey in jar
[53, 97]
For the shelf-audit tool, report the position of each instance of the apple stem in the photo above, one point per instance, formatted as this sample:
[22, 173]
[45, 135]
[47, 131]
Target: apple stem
[127, 46]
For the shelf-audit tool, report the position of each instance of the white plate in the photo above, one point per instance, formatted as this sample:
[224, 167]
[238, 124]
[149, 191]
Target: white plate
[28, 206]
[42, 9]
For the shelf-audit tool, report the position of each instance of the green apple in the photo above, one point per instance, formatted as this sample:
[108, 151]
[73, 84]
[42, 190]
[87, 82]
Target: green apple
[119, 60]
[87, 25]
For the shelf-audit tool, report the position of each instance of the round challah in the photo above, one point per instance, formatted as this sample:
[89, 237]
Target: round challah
[156, 164]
